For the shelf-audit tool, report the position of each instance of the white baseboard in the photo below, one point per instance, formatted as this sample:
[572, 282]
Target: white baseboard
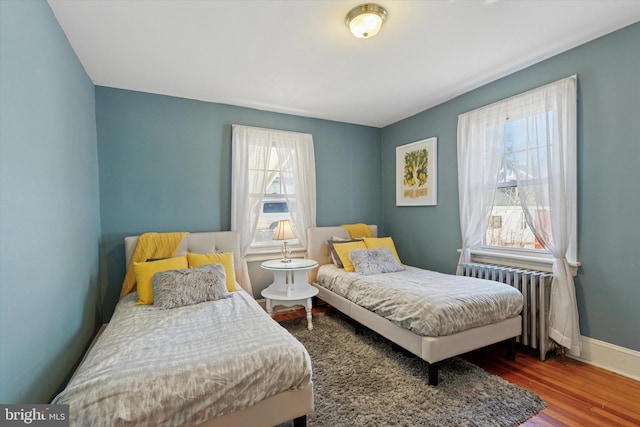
[611, 357]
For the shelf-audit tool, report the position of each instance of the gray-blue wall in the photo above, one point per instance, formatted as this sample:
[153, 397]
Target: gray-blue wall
[607, 285]
[49, 213]
[165, 165]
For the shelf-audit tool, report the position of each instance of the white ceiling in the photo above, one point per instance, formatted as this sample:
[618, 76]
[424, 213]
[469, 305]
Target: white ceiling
[298, 57]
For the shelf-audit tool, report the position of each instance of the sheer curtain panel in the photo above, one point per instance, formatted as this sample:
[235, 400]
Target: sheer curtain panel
[547, 158]
[480, 136]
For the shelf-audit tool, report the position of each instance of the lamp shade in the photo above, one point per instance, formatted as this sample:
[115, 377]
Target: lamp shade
[283, 230]
[365, 20]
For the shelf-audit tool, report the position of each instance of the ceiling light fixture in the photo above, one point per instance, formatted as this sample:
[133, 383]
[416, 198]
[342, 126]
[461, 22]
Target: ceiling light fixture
[365, 20]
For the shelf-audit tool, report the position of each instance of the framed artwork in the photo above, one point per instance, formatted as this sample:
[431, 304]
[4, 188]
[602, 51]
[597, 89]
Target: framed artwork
[417, 173]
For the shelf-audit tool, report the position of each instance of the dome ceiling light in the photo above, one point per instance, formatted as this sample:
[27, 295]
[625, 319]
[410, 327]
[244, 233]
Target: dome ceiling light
[365, 20]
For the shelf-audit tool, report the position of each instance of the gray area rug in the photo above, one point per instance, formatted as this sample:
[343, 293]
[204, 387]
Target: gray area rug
[359, 380]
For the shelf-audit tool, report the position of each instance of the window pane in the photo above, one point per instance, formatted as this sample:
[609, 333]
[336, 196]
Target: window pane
[274, 208]
[507, 225]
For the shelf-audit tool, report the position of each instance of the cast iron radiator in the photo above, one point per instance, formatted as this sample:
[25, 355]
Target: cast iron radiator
[535, 287]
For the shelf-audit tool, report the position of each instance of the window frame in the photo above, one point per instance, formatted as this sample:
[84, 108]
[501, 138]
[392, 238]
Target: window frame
[294, 244]
[296, 164]
[536, 259]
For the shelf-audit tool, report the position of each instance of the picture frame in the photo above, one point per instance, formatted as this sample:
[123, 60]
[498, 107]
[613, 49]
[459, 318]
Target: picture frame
[417, 173]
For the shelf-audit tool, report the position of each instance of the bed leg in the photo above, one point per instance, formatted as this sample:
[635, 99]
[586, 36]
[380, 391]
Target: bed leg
[433, 373]
[300, 421]
[511, 348]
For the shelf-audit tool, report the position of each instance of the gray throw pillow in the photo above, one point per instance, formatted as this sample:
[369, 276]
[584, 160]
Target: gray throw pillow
[334, 255]
[177, 288]
[374, 261]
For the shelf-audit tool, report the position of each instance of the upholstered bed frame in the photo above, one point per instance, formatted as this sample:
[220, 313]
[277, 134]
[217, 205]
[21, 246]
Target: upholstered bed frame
[198, 243]
[430, 349]
[288, 405]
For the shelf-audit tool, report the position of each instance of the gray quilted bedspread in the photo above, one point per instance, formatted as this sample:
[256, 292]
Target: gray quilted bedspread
[154, 367]
[426, 302]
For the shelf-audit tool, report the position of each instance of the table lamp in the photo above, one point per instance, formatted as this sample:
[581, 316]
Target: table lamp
[284, 232]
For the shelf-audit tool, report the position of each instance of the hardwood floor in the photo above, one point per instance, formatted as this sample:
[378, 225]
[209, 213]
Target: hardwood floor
[576, 394]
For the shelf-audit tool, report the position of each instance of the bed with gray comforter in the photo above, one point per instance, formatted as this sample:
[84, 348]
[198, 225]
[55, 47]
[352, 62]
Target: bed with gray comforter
[185, 365]
[425, 302]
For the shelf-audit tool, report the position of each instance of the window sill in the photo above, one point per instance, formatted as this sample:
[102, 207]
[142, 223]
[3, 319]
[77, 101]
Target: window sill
[524, 259]
[273, 253]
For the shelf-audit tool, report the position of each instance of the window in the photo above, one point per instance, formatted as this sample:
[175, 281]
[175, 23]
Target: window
[513, 230]
[273, 178]
[518, 176]
[274, 207]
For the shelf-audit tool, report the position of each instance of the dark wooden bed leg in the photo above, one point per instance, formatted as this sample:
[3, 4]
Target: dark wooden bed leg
[300, 421]
[433, 373]
[511, 348]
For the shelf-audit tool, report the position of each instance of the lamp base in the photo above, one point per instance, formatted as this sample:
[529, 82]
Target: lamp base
[286, 252]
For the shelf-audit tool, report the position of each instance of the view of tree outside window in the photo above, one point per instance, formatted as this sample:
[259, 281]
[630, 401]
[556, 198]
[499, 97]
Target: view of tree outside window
[508, 227]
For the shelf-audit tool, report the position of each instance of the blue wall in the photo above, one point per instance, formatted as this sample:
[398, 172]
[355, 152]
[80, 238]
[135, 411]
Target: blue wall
[607, 284]
[49, 212]
[165, 165]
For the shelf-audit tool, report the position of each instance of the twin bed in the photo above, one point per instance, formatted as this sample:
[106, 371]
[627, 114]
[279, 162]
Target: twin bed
[215, 363]
[434, 316]
[225, 362]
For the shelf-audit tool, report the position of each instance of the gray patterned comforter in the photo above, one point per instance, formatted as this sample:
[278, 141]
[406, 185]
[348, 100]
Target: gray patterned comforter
[154, 367]
[425, 302]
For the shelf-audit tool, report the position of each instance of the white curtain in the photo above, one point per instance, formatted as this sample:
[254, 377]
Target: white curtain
[480, 136]
[251, 161]
[546, 157]
[544, 125]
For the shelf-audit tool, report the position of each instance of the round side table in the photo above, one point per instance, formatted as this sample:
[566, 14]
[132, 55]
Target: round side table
[290, 286]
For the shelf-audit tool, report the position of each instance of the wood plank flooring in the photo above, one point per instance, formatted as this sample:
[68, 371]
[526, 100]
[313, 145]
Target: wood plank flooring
[576, 394]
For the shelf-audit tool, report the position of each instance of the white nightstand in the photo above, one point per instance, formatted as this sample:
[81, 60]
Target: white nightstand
[290, 286]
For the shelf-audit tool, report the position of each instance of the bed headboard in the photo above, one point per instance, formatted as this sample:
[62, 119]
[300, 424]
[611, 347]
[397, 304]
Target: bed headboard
[318, 248]
[200, 243]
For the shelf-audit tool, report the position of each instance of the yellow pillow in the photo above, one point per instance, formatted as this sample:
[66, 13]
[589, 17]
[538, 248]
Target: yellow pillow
[343, 249]
[145, 271]
[226, 259]
[382, 242]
